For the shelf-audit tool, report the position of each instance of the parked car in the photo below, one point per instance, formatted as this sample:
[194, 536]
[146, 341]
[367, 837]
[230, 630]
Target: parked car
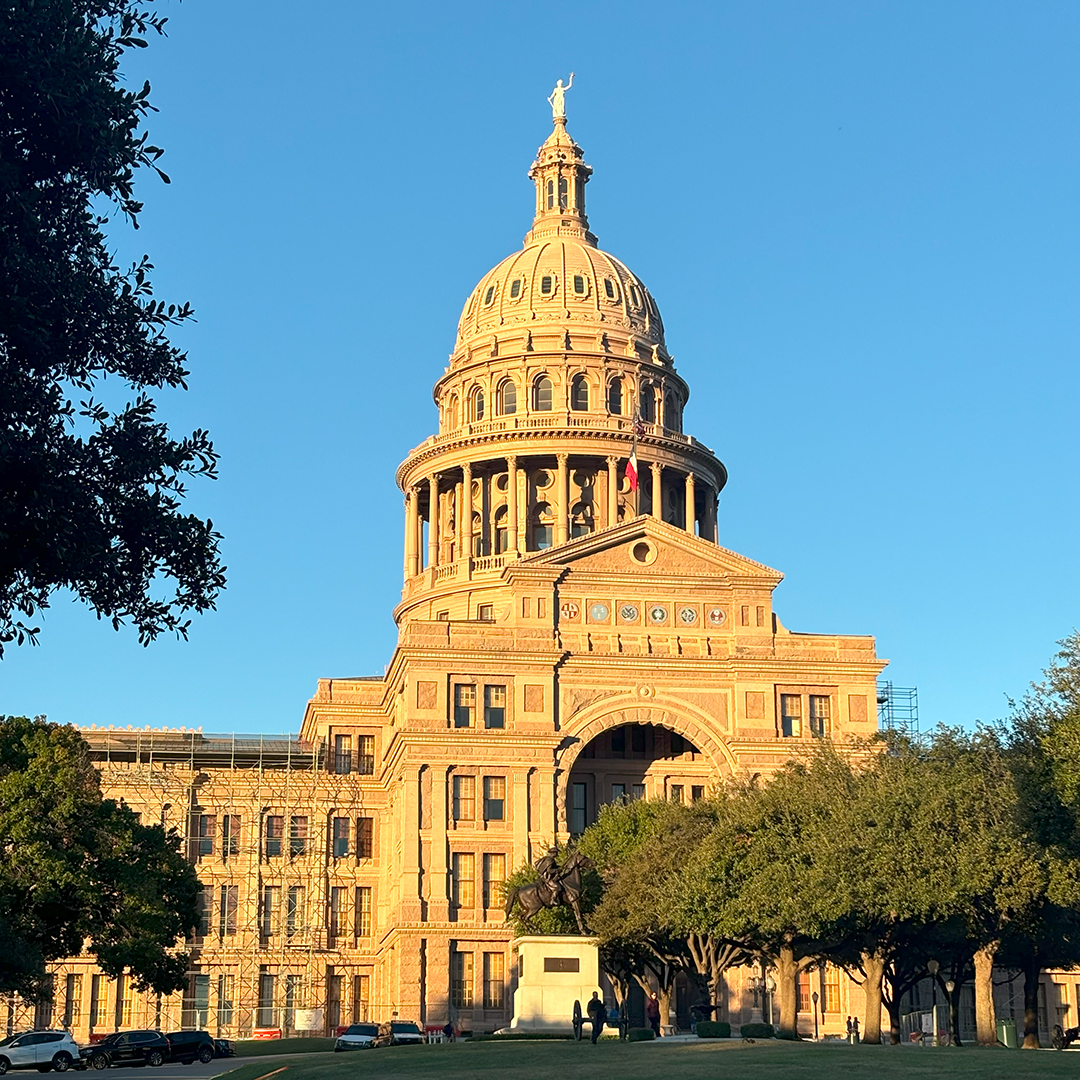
[399, 1033]
[224, 1048]
[357, 1037]
[41, 1050]
[127, 1048]
[189, 1046]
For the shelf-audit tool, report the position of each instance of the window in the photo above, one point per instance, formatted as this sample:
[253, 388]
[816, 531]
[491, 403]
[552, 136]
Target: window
[618, 740]
[678, 744]
[341, 837]
[490, 294]
[494, 798]
[464, 798]
[579, 394]
[265, 1014]
[637, 791]
[494, 966]
[614, 397]
[342, 753]
[697, 792]
[204, 844]
[73, 1001]
[463, 874]
[579, 285]
[226, 995]
[363, 911]
[200, 1001]
[507, 398]
[294, 999]
[830, 998]
[478, 405]
[295, 911]
[618, 792]
[334, 915]
[361, 995]
[494, 706]
[542, 394]
[637, 739]
[803, 986]
[609, 288]
[515, 288]
[275, 827]
[581, 520]
[202, 909]
[635, 299]
[494, 876]
[542, 530]
[298, 835]
[333, 999]
[98, 1001]
[577, 809]
[677, 793]
[647, 410]
[551, 194]
[563, 190]
[547, 283]
[486, 613]
[365, 838]
[501, 534]
[790, 715]
[230, 834]
[464, 705]
[365, 755]
[228, 902]
[461, 979]
[270, 896]
[819, 715]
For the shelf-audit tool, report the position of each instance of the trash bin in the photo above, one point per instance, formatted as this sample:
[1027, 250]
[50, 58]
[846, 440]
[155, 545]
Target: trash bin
[1006, 1033]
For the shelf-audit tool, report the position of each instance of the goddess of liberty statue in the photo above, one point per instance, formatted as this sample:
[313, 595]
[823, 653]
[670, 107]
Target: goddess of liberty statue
[558, 106]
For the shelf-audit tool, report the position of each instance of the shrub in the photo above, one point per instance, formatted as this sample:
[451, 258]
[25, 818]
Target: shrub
[713, 1029]
[513, 1036]
[640, 1035]
[757, 1031]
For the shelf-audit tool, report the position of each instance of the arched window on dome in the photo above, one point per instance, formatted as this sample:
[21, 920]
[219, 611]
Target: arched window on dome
[579, 394]
[581, 520]
[478, 405]
[515, 288]
[551, 195]
[452, 411]
[563, 190]
[647, 409]
[477, 536]
[672, 413]
[507, 398]
[609, 289]
[540, 527]
[542, 394]
[614, 397]
[501, 531]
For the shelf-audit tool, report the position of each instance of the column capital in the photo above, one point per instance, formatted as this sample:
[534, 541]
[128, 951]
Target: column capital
[511, 461]
[612, 459]
[689, 478]
[562, 459]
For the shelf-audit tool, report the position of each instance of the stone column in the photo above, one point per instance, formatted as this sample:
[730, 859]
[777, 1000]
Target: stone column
[433, 521]
[465, 533]
[562, 510]
[612, 491]
[409, 909]
[657, 491]
[412, 526]
[439, 880]
[511, 504]
[520, 810]
[710, 530]
[690, 513]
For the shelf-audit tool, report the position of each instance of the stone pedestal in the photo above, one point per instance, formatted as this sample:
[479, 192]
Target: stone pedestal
[554, 971]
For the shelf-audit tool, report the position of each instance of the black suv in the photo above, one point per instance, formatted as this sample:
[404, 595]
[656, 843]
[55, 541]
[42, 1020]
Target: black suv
[188, 1046]
[127, 1048]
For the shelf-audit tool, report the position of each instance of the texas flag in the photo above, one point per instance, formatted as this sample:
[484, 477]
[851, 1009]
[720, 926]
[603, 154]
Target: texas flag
[631, 469]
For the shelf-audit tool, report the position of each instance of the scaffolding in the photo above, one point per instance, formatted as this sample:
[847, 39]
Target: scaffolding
[898, 708]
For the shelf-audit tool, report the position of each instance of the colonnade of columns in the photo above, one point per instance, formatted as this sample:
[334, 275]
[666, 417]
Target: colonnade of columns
[464, 539]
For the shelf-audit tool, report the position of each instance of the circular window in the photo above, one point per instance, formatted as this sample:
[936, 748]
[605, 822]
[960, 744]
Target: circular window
[543, 478]
[643, 552]
[502, 481]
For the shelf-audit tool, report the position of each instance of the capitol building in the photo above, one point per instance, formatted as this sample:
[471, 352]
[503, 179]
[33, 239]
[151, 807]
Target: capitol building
[571, 631]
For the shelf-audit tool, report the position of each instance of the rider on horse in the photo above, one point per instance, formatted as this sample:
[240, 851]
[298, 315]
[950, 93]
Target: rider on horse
[547, 866]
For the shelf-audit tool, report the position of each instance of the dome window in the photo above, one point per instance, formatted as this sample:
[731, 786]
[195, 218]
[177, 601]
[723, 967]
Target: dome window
[614, 397]
[634, 298]
[541, 523]
[547, 283]
[579, 285]
[507, 398]
[579, 394]
[515, 288]
[489, 295]
[563, 190]
[648, 404]
[609, 288]
[478, 405]
[551, 195]
[542, 394]
[581, 520]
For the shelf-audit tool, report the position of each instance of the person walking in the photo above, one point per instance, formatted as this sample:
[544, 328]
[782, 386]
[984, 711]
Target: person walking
[652, 1013]
[849, 1029]
[854, 1030]
[597, 1014]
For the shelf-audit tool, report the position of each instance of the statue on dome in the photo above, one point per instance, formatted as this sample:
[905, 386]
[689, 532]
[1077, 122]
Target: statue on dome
[558, 105]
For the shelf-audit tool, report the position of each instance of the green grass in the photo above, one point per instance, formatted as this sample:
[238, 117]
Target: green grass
[706, 1060]
[265, 1047]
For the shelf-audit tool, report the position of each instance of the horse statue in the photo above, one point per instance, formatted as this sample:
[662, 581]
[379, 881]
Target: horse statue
[558, 885]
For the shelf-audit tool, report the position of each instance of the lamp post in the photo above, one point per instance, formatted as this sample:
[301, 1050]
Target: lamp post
[770, 990]
[932, 966]
[950, 986]
[814, 998]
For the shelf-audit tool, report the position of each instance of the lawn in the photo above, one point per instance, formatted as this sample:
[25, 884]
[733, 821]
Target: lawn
[714, 1060]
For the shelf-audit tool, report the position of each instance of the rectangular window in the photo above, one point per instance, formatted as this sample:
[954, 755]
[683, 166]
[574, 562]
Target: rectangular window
[637, 791]
[618, 740]
[363, 911]
[125, 992]
[677, 793]
[99, 1005]
[545, 281]
[697, 792]
[819, 715]
[494, 967]
[486, 613]
[494, 876]
[618, 792]
[342, 753]
[464, 798]
[494, 798]
[494, 706]
[207, 825]
[295, 910]
[678, 744]
[464, 705]
[790, 715]
[230, 834]
[803, 987]
[269, 923]
[830, 998]
[226, 996]
[334, 924]
[294, 999]
[365, 759]
[637, 739]
[265, 1014]
[341, 837]
[202, 909]
[200, 1001]
[228, 902]
[73, 1001]
[461, 979]
[578, 817]
[365, 838]
[464, 879]
[361, 995]
[275, 826]
[579, 284]
[298, 835]
[333, 999]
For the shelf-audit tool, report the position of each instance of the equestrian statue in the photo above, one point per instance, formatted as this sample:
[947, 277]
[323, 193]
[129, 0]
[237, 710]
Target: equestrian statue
[558, 885]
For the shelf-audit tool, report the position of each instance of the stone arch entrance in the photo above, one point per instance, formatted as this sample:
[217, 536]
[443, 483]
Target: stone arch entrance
[633, 748]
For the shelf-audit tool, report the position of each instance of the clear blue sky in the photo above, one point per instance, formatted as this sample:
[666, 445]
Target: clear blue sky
[860, 221]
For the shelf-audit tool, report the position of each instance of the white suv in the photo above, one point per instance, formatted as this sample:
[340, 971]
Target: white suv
[41, 1050]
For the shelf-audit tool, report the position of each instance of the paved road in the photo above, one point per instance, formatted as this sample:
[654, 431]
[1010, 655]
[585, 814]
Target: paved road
[195, 1071]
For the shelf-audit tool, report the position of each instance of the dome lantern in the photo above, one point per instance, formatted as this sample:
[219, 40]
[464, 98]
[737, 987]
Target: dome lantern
[560, 175]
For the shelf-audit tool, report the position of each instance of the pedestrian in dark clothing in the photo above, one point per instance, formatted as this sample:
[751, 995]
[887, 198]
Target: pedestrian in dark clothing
[448, 1031]
[652, 1013]
[597, 1014]
[854, 1029]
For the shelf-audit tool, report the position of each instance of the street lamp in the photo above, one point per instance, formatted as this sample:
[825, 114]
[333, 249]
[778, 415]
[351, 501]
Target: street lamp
[770, 989]
[933, 967]
[814, 998]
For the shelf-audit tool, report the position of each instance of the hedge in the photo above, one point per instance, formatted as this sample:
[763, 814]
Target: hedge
[514, 1036]
[640, 1035]
[756, 1031]
[713, 1029]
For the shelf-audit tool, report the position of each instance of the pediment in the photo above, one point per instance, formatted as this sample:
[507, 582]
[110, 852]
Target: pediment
[668, 552]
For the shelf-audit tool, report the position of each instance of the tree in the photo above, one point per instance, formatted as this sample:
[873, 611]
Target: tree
[90, 495]
[76, 869]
